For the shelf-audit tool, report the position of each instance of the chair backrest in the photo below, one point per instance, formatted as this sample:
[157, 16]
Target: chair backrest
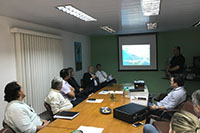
[188, 106]
[48, 108]
[6, 130]
[82, 83]
[163, 126]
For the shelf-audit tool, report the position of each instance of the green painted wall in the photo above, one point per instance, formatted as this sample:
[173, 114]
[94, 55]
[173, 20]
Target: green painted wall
[104, 51]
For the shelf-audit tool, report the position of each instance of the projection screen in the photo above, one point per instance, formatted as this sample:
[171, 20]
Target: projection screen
[137, 52]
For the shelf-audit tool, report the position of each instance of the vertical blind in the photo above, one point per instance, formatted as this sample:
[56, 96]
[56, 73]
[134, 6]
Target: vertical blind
[38, 59]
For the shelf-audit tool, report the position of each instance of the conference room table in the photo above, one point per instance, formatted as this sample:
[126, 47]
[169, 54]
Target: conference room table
[90, 114]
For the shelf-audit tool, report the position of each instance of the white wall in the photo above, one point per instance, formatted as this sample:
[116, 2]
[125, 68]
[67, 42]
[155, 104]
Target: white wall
[68, 53]
[7, 62]
[7, 51]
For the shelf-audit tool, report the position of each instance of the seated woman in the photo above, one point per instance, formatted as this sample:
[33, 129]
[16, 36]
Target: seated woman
[55, 99]
[18, 115]
[184, 122]
[181, 122]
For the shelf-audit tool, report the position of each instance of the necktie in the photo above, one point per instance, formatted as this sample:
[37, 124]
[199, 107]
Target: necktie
[103, 75]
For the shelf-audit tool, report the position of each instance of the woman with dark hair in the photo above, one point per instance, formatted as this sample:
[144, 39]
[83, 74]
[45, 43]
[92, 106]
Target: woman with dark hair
[18, 115]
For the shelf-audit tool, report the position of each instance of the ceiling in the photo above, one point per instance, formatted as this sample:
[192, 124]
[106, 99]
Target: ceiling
[124, 16]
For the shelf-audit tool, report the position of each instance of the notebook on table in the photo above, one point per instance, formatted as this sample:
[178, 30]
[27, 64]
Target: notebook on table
[66, 115]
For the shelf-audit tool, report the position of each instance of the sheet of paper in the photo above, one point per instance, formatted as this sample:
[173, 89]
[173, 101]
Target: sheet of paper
[87, 129]
[111, 92]
[138, 97]
[103, 92]
[118, 92]
[95, 101]
[140, 102]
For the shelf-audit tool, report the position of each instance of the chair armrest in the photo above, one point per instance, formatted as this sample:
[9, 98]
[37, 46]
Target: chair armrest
[165, 115]
[168, 113]
[158, 118]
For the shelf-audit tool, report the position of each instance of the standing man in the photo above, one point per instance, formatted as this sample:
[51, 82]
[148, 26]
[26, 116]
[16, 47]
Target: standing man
[104, 79]
[18, 115]
[177, 62]
[90, 80]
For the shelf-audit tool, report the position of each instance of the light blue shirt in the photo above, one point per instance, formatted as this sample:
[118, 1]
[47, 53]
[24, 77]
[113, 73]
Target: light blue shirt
[174, 98]
[21, 117]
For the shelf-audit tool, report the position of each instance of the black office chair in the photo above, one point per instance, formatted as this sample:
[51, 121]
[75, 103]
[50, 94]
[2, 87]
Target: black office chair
[45, 115]
[163, 126]
[82, 83]
[6, 129]
[48, 108]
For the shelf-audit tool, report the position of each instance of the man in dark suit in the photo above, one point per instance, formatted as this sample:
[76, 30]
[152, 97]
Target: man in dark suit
[79, 91]
[90, 81]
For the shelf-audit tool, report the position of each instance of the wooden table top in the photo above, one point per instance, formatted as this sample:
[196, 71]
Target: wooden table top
[90, 116]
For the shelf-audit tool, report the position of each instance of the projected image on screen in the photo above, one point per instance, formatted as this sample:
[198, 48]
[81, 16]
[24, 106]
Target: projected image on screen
[136, 55]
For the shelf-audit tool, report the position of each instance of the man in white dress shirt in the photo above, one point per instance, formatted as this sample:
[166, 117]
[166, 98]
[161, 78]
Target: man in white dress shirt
[104, 79]
[18, 115]
[55, 99]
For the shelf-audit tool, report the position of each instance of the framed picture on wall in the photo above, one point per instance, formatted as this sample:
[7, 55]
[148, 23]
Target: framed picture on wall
[78, 56]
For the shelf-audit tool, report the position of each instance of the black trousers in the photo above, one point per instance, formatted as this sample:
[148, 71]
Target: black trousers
[105, 83]
[77, 101]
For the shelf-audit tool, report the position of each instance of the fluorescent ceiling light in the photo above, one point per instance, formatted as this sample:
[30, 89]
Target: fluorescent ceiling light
[75, 12]
[151, 26]
[108, 29]
[150, 7]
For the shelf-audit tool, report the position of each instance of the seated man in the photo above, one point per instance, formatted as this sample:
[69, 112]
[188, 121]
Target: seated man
[67, 90]
[176, 96]
[104, 79]
[90, 80]
[79, 92]
[149, 128]
[18, 115]
[55, 99]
